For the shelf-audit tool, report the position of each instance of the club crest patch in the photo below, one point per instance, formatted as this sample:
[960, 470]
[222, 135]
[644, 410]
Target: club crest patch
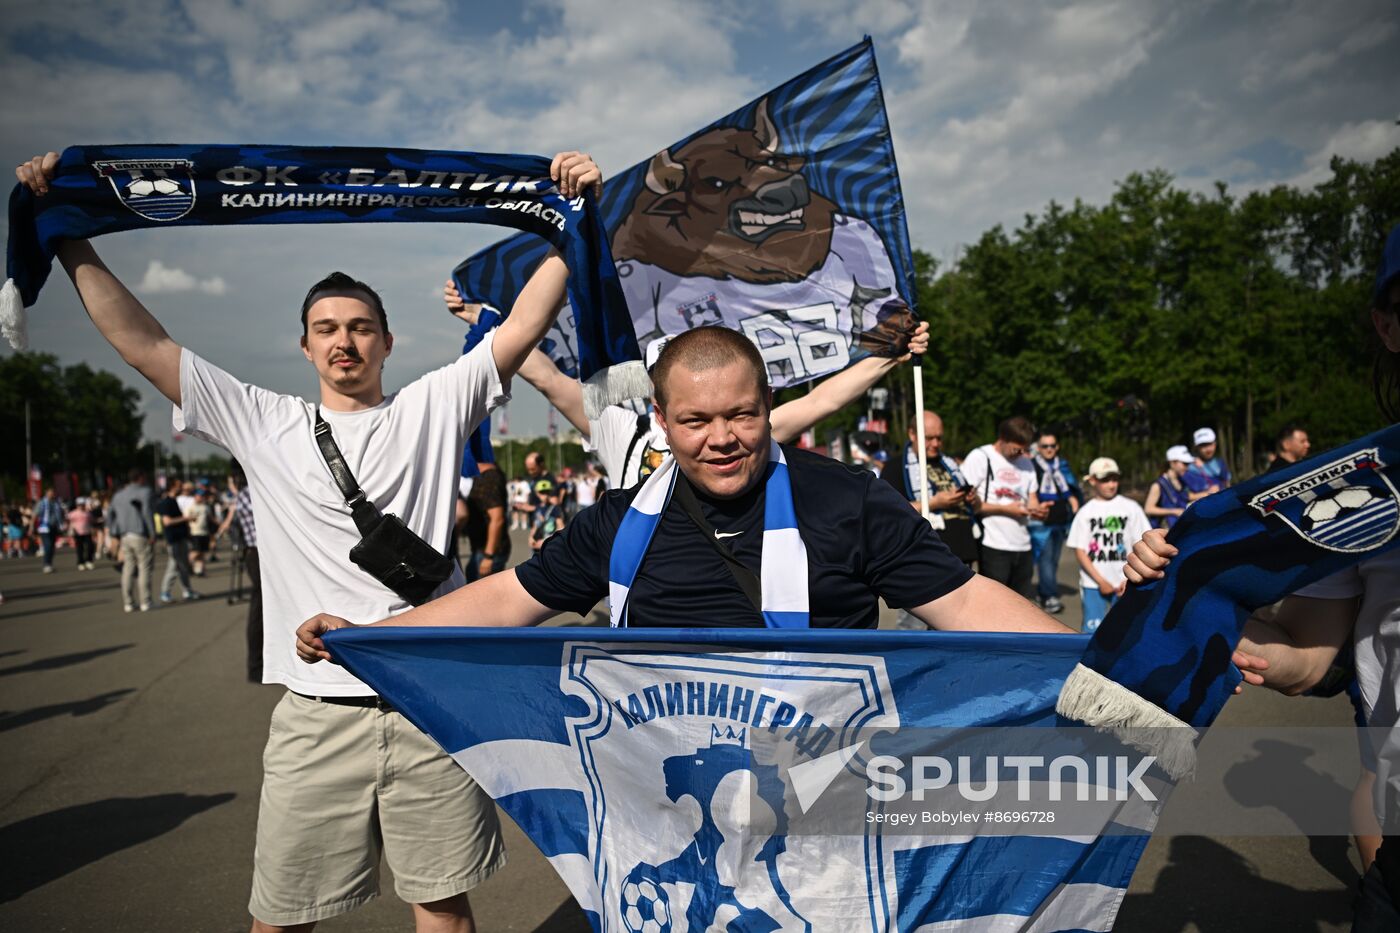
[703, 743]
[1347, 505]
[157, 189]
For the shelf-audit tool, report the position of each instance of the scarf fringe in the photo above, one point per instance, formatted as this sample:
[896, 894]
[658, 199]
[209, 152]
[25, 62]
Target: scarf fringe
[613, 386]
[1109, 707]
[14, 322]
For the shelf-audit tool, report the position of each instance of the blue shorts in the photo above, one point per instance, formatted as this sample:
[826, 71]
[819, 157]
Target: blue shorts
[1096, 606]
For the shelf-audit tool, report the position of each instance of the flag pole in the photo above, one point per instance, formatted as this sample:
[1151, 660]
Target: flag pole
[918, 361]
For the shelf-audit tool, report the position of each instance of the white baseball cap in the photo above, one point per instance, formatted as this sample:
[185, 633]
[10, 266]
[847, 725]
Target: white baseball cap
[1203, 436]
[1179, 454]
[1104, 466]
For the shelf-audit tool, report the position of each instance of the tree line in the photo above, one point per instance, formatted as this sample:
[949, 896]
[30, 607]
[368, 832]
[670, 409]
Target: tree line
[1125, 326]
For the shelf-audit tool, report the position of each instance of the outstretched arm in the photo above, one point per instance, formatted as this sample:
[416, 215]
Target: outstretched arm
[497, 600]
[128, 326]
[538, 303]
[558, 389]
[836, 392]
[984, 605]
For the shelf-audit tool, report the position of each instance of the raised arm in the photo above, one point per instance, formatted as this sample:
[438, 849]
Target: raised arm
[497, 600]
[834, 393]
[128, 326]
[558, 389]
[539, 301]
[984, 605]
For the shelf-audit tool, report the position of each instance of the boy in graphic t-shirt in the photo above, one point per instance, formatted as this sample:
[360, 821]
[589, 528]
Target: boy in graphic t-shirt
[1102, 535]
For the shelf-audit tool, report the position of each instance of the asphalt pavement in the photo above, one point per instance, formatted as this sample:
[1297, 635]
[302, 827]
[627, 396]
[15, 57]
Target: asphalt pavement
[130, 765]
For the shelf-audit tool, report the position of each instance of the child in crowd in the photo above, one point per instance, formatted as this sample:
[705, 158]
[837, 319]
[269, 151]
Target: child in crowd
[1102, 535]
[1169, 497]
[550, 517]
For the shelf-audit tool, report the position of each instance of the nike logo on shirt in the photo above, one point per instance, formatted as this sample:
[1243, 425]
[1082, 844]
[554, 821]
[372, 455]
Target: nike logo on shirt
[727, 534]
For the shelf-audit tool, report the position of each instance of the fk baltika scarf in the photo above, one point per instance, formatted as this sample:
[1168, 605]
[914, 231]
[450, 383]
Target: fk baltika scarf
[783, 576]
[1160, 662]
[107, 189]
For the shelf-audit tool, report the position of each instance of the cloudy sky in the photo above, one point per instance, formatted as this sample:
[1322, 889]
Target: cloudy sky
[996, 108]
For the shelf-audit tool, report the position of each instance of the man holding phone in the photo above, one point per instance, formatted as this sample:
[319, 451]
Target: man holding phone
[951, 499]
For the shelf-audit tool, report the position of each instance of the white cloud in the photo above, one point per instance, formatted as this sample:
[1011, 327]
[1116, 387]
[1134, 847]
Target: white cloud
[161, 279]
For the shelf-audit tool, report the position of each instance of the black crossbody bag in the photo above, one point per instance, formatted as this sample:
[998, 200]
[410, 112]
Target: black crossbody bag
[388, 550]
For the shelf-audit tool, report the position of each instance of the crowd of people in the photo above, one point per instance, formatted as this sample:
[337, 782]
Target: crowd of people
[184, 515]
[1009, 508]
[703, 515]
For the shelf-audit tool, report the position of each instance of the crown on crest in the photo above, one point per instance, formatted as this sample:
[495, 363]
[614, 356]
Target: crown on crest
[728, 736]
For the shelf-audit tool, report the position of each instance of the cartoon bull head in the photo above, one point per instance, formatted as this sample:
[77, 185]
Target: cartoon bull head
[729, 205]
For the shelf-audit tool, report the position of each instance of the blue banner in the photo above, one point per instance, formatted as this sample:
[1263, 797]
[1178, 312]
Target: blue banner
[107, 189]
[626, 754]
[783, 219]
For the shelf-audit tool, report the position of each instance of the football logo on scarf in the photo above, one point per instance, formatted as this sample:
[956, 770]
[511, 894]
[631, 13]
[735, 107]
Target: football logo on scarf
[1347, 505]
[688, 743]
[157, 189]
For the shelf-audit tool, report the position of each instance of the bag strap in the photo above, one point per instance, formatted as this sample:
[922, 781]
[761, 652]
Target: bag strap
[748, 580]
[361, 509]
[643, 429]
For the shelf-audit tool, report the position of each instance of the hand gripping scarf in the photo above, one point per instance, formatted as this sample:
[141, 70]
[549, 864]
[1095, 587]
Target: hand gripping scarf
[1159, 667]
[106, 189]
[783, 577]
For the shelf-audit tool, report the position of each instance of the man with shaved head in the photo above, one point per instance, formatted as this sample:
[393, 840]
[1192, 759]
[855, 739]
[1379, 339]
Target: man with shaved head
[733, 530]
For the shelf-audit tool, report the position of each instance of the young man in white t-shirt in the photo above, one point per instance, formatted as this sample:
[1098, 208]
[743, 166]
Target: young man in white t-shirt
[1102, 535]
[1004, 478]
[630, 445]
[344, 777]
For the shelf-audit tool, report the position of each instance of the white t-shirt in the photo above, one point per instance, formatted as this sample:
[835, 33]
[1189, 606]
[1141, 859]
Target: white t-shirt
[1377, 645]
[405, 453]
[612, 436]
[586, 490]
[1107, 529]
[1001, 482]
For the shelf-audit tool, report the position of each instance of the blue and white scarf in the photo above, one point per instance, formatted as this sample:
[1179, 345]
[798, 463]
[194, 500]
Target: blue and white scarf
[911, 473]
[1053, 484]
[107, 189]
[783, 576]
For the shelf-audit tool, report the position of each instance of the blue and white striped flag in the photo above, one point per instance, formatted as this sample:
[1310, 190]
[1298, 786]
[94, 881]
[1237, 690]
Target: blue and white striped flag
[642, 763]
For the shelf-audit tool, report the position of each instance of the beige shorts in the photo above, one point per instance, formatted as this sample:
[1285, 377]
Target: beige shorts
[342, 784]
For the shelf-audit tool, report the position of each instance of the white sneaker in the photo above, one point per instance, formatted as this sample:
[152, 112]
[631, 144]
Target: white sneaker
[145, 607]
[48, 569]
[128, 608]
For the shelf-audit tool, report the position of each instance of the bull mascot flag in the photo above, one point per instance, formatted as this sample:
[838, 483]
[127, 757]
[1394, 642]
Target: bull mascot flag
[783, 220]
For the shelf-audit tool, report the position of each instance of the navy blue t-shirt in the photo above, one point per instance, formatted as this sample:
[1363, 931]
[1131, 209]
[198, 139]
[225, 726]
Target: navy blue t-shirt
[863, 542]
[167, 507]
